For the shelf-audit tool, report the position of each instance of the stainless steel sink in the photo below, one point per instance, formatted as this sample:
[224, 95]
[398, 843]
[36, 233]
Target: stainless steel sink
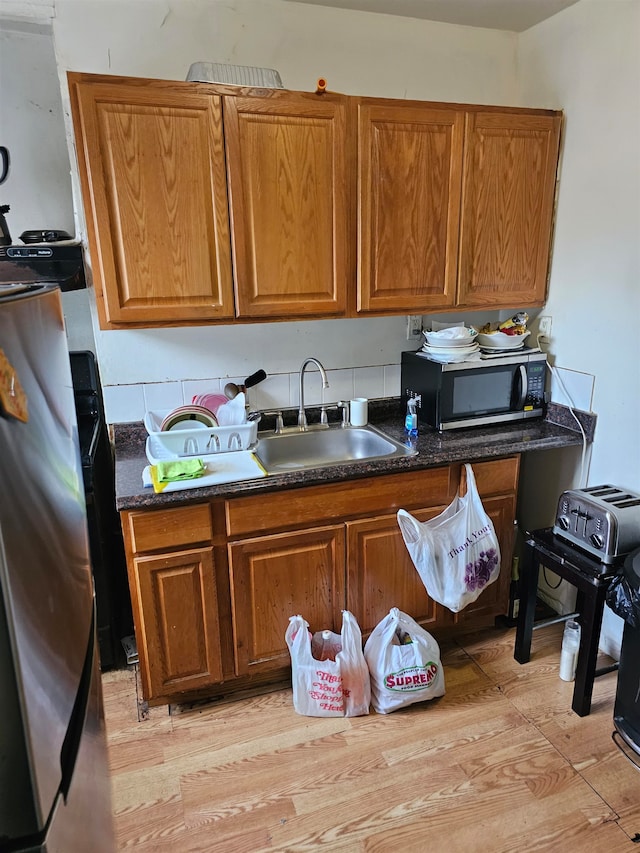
[294, 450]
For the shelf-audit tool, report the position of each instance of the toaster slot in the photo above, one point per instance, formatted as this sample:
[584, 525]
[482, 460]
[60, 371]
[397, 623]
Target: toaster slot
[601, 491]
[627, 503]
[621, 496]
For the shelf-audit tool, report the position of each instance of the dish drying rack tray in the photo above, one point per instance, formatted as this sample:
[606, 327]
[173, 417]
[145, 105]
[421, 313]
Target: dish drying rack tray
[201, 442]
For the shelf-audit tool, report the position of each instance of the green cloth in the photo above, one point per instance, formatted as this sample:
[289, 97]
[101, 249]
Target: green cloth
[175, 471]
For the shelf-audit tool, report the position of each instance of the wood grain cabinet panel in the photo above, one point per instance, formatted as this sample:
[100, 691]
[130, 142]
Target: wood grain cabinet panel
[289, 195]
[169, 528]
[179, 644]
[370, 496]
[152, 169]
[381, 574]
[494, 477]
[275, 577]
[507, 210]
[409, 178]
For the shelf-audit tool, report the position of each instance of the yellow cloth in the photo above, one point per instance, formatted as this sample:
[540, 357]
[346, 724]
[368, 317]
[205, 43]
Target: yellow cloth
[164, 473]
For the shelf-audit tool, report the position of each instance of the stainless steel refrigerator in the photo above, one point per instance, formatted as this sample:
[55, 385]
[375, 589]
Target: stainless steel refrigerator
[54, 782]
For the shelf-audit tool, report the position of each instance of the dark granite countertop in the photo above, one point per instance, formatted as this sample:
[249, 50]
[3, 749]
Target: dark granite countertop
[433, 448]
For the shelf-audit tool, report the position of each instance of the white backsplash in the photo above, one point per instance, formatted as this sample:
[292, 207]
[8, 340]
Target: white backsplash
[128, 403]
[572, 388]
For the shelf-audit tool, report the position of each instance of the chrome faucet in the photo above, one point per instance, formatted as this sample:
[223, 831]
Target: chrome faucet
[302, 416]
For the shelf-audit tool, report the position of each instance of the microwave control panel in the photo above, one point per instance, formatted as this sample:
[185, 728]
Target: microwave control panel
[535, 384]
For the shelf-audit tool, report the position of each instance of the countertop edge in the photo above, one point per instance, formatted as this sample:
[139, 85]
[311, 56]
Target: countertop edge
[434, 450]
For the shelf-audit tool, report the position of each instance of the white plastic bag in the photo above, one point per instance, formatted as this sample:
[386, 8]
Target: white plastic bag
[404, 663]
[456, 554]
[329, 688]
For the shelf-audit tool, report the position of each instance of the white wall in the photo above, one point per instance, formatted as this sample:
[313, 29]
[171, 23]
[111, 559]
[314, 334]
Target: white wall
[586, 60]
[357, 53]
[38, 188]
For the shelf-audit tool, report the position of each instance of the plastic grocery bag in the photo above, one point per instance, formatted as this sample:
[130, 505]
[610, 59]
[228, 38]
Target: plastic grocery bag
[404, 663]
[623, 593]
[624, 600]
[456, 553]
[329, 688]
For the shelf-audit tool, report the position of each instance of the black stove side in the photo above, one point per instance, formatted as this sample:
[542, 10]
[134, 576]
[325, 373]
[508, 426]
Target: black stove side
[113, 604]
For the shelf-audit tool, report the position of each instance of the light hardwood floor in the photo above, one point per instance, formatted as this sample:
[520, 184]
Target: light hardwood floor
[500, 763]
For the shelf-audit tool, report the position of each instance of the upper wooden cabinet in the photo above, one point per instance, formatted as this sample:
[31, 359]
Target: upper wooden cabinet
[289, 197]
[409, 178]
[507, 209]
[455, 206]
[153, 180]
[208, 203]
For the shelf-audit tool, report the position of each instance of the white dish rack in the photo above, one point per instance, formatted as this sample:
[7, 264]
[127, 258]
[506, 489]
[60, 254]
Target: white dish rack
[197, 441]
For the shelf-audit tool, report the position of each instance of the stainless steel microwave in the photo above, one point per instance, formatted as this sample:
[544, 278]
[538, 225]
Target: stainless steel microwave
[474, 393]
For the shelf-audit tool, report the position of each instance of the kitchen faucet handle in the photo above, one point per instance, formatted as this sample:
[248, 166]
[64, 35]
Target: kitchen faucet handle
[277, 414]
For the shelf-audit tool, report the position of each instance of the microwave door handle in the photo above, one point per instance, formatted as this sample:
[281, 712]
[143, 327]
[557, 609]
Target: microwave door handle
[522, 371]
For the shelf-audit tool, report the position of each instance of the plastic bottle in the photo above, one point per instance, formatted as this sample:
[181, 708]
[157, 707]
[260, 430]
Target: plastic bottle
[325, 645]
[570, 648]
[411, 419]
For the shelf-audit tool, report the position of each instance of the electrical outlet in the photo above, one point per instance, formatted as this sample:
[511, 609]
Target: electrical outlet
[414, 327]
[544, 327]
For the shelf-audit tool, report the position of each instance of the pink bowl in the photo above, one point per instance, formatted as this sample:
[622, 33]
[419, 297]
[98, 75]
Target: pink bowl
[209, 401]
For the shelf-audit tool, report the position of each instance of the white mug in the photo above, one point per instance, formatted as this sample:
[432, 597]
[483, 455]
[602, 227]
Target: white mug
[358, 411]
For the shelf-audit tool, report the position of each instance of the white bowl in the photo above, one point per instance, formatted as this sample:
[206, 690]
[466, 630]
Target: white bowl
[498, 340]
[444, 338]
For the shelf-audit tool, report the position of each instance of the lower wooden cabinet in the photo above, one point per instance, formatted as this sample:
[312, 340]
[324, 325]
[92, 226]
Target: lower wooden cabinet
[172, 581]
[275, 577]
[381, 574]
[180, 631]
[213, 584]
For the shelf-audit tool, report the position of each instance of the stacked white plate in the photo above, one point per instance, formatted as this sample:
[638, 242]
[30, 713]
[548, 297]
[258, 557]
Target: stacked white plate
[451, 354]
[456, 343]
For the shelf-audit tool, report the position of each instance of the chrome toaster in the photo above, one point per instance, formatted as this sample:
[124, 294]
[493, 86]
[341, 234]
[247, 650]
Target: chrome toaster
[604, 521]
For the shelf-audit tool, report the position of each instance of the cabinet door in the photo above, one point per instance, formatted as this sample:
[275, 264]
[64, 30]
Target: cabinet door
[275, 577]
[177, 628]
[409, 177]
[290, 204]
[507, 208]
[494, 600]
[154, 188]
[381, 574]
